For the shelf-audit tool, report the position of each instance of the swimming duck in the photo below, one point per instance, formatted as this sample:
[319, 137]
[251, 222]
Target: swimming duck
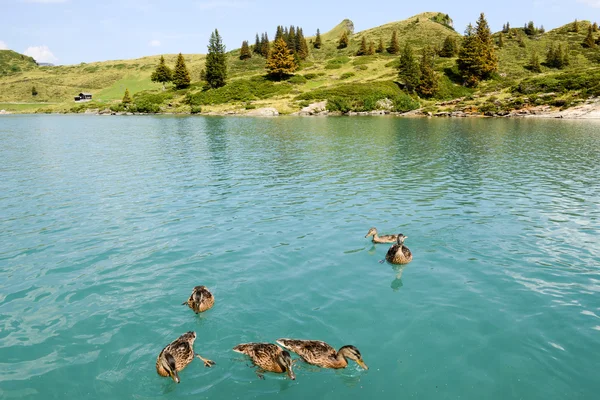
[177, 355]
[381, 239]
[323, 355]
[399, 253]
[268, 357]
[200, 300]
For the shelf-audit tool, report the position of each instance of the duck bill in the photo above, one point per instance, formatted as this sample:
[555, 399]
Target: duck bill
[175, 376]
[291, 374]
[362, 364]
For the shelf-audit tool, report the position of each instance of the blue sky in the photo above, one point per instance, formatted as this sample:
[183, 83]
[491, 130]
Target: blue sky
[74, 31]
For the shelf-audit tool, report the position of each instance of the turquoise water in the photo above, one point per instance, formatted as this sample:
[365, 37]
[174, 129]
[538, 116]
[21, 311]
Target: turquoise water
[107, 223]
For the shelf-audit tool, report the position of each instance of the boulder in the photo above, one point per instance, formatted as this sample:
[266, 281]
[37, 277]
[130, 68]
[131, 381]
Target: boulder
[264, 112]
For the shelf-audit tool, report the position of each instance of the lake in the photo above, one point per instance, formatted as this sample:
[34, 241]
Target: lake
[107, 223]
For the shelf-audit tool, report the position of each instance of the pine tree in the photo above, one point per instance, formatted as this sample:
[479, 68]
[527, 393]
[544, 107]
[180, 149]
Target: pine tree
[595, 27]
[303, 50]
[245, 51]
[317, 43]
[257, 45]
[394, 45]
[501, 40]
[34, 91]
[534, 63]
[371, 49]
[380, 47]
[589, 39]
[126, 97]
[265, 46]
[530, 29]
[541, 29]
[280, 62]
[291, 39]
[408, 70]
[469, 58]
[489, 60]
[449, 48]
[362, 50]
[216, 61]
[343, 42]
[575, 26]
[181, 75]
[203, 75]
[506, 28]
[279, 33]
[428, 82]
[162, 73]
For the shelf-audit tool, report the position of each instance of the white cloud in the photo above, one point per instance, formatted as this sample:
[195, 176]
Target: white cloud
[3, 46]
[154, 43]
[591, 3]
[40, 54]
[45, 1]
[215, 4]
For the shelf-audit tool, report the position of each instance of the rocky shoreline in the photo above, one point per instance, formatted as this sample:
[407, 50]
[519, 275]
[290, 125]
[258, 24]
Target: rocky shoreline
[589, 109]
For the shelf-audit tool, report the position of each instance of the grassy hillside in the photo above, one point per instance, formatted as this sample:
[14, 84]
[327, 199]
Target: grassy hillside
[329, 73]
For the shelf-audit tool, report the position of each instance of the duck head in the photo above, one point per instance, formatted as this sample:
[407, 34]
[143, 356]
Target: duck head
[167, 361]
[353, 353]
[401, 238]
[285, 361]
[372, 232]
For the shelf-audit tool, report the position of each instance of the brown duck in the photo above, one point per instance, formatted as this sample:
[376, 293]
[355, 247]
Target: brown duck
[177, 355]
[323, 355]
[200, 300]
[382, 238]
[268, 357]
[399, 253]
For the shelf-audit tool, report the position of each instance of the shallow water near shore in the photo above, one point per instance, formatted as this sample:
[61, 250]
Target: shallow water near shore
[106, 224]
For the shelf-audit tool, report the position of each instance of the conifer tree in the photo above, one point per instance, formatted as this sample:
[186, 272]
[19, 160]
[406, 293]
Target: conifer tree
[279, 33]
[162, 73]
[362, 50]
[589, 39]
[428, 82]
[501, 40]
[380, 47]
[303, 47]
[216, 61]
[394, 47]
[126, 97]
[489, 60]
[575, 26]
[371, 49]
[534, 63]
[317, 43]
[280, 62]
[265, 46]
[541, 29]
[408, 70]
[530, 29]
[257, 46]
[595, 27]
[343, 42]
[34, 91]
[181, 75]
[291, 39]
[449, 48]
[468, 58]
[203, 75]
[245, 51]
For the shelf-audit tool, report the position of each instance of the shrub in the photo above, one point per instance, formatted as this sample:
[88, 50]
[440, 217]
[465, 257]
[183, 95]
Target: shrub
[312, 75]
[195, 109]
[347, 75]
[152, 98]
[297, 80]
[254, 88]
[119, 107]
[339, 104]
[333, 66]
[404, 103]
[144, 106]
